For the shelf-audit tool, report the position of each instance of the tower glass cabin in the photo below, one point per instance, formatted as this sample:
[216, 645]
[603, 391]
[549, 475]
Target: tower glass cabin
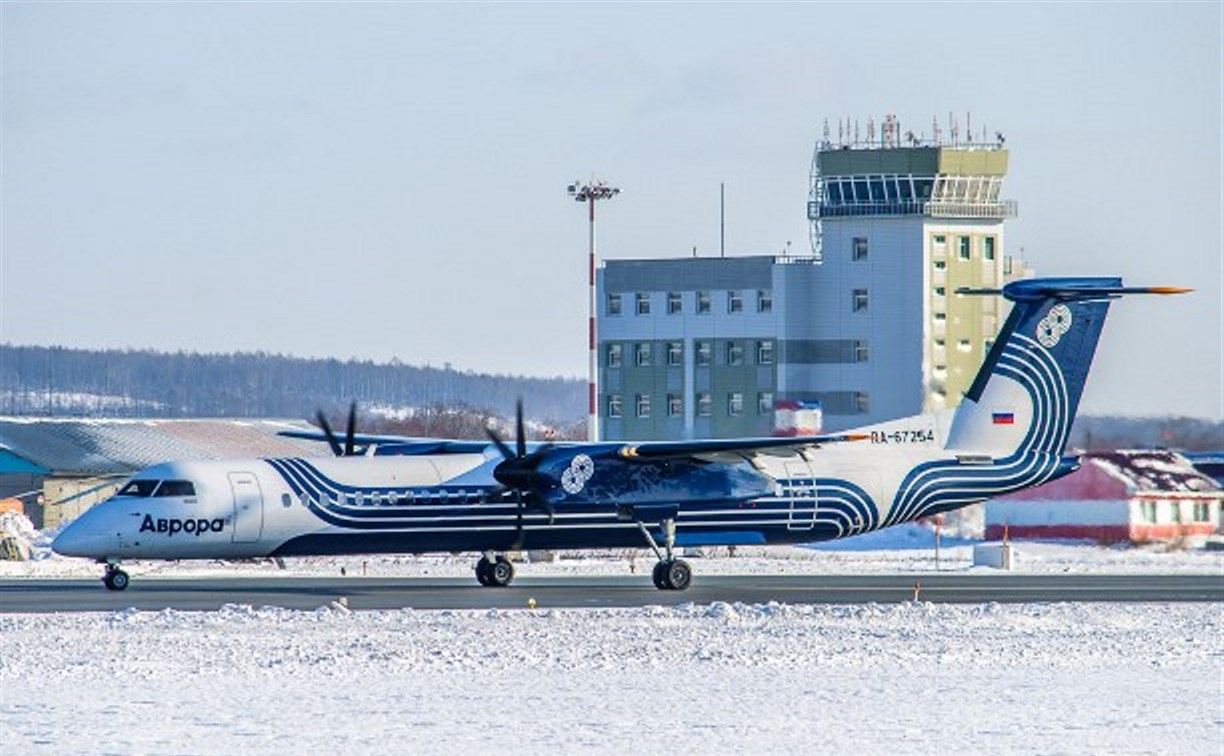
[898, 230]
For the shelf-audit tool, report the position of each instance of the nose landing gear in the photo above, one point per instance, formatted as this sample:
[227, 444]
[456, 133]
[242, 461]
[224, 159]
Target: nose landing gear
[115, 579]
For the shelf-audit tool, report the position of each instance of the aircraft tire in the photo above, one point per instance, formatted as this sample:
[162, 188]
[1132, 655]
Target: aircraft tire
[678, 575]
[657, 575]
[115, 580]
[482, 572]
[501, 572]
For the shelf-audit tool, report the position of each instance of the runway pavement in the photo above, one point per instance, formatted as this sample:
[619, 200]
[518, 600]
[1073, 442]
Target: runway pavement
[151, 593]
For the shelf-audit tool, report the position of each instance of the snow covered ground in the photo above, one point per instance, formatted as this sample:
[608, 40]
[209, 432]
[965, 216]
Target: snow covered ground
[909, 678]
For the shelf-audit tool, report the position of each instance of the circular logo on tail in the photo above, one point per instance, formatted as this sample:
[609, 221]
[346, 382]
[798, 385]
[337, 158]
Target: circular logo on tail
[1051, 328]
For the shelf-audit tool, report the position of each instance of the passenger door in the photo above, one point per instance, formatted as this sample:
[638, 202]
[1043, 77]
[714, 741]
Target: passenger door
[248, 507]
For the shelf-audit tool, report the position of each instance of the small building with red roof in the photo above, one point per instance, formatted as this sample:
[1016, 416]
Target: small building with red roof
[1123, 496]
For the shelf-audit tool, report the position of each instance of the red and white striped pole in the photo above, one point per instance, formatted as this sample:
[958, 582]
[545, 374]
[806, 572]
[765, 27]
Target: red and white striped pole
[589, 193]
[593, 355]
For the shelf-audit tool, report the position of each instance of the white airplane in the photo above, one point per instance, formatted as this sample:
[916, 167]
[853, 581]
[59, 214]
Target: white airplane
[402, 495]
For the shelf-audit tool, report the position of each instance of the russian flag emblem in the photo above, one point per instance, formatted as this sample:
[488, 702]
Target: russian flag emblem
[1003, 418]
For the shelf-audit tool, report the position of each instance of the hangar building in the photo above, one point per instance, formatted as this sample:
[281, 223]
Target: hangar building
[60, 467]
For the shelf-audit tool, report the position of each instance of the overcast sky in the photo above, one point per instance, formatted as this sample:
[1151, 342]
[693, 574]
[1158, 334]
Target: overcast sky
[388, 180]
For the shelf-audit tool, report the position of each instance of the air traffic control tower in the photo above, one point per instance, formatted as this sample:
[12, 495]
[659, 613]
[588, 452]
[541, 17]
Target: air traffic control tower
[897, 228]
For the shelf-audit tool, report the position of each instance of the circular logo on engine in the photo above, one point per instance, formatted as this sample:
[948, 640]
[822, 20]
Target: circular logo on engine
[1051, 328]
[575, 477]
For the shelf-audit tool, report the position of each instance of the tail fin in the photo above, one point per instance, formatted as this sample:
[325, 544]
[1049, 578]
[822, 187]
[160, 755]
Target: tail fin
[1026, 394]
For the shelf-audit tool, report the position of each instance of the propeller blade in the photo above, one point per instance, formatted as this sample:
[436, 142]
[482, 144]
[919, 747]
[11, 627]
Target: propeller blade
[501, 445]
[350, 430]
[520, 438]
[331, 437]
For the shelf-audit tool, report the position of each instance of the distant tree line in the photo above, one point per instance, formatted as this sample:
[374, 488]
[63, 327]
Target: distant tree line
[60, 381]
[50, 381]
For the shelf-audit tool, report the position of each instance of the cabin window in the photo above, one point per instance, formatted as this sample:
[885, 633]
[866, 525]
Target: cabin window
[286, 500]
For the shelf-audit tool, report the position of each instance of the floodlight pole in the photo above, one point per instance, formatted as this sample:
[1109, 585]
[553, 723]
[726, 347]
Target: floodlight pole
[590, 193]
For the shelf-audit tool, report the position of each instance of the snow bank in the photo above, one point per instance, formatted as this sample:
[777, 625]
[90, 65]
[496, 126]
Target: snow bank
[917, 678]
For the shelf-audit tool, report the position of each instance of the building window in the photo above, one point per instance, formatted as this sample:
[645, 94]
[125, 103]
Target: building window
[941, 316]
[1147, 511]
[1202, 511]
[964, 345]
[614, 405]
[735, 301]
[675, 405]
[675, 305]
[941, 291]
[861, 404]
[859, 300]
[735, 353]
[614, 304]
[941, 265]
[643, 303]
[765, 353]
[675, 353]
[988, 248]
[614, 355]
[940, 242]
[764, 300]
[704, 404]
[735, 404]
[704, 352]
[858, 248]
[962, 250]
[765, 403]
[860, 350]
[987, 344]
[703, 303]
[642, 354]
[643, 405]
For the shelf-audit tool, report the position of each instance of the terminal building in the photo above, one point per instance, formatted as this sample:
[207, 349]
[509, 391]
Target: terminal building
[868, 327]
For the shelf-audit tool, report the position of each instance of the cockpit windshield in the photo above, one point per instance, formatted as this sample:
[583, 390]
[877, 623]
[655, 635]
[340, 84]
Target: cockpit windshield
[138, 488]
[175, 488]
[144, 488]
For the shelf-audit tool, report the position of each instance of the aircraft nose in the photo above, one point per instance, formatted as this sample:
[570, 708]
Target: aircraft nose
[78, 541]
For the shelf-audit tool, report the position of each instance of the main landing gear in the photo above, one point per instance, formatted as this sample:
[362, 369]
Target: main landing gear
[494, 571]
[670, 574]
[114, 579]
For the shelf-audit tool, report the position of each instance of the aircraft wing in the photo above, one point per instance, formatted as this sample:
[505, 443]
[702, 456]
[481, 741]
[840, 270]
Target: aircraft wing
[398, 445]
[718, 450]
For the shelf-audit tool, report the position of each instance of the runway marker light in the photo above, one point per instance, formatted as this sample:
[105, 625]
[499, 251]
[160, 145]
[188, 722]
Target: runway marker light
[531, 603]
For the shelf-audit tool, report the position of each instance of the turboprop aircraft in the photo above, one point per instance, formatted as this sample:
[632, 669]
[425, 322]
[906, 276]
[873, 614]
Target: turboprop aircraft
[404, 495]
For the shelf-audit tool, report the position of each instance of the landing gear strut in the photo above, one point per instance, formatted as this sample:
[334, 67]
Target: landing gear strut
[669, 574]
[494, 571]
[115, 579]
